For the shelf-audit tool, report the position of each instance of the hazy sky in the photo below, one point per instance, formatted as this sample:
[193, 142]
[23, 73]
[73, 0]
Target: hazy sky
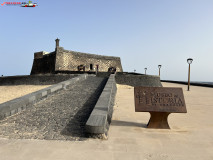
[144, 33]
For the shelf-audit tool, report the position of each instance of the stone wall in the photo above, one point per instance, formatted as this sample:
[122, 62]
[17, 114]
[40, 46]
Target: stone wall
[191, 83]
[47, 79]
[70, 60]
[43, 63]
[100, 118]
[134, 80]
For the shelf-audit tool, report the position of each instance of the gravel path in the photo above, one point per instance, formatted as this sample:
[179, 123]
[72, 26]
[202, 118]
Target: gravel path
[61, 116]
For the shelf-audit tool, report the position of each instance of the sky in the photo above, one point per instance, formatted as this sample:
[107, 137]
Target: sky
[143, 33]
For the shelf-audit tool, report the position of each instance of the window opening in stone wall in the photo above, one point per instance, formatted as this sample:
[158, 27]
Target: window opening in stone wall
[91, 67]
[112, 69]
[81, 67]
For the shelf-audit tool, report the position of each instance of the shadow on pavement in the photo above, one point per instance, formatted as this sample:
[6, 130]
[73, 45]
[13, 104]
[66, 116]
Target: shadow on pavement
[126, 123]
[76, 126]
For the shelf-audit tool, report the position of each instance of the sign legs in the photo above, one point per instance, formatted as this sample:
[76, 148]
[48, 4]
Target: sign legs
[158, 120]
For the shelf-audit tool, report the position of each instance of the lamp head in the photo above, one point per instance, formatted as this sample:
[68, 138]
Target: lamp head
[189, 60]
[159, 66]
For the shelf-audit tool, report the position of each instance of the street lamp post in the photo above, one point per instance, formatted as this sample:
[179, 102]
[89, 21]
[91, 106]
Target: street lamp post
[159, 66]
[189, 61]
[145, 70]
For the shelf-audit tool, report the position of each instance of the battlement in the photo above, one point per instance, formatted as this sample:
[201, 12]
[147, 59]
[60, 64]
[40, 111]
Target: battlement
[40, 54]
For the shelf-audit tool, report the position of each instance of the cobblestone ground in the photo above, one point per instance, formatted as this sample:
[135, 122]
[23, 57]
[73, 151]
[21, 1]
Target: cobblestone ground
[61, 116]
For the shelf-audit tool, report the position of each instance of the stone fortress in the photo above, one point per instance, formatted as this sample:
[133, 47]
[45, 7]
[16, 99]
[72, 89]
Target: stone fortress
[62, 60]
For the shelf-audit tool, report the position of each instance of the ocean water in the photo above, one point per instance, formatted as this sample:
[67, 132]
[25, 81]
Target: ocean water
[199, 82]
[211, 83]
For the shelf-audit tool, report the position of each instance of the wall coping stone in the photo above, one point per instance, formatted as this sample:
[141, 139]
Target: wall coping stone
[100, 118]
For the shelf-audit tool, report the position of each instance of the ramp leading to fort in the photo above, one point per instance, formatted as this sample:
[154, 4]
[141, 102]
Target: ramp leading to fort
[61, 116]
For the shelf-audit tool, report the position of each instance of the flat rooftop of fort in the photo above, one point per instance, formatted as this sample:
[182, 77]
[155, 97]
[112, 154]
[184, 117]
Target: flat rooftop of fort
[90, 55]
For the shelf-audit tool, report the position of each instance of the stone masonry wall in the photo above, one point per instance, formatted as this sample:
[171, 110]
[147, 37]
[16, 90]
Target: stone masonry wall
[133, 79]
[70, 60]
[41, 79]
[43, 63]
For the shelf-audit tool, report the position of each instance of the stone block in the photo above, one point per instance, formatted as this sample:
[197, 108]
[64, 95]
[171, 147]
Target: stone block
[44, 93]
[32, 99]
[96, 124]
[14, 111]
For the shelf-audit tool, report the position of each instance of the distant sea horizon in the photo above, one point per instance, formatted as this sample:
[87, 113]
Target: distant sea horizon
[201, 82]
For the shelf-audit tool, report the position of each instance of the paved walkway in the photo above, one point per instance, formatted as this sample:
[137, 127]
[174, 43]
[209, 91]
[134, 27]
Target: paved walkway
[190, 137]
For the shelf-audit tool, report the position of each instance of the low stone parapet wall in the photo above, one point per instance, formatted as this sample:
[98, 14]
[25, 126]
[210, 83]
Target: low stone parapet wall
[201, 84]
[100, 118]
[45, 79]
[16, 105]
[134, 79]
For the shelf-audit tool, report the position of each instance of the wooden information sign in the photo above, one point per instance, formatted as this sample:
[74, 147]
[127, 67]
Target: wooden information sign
[160, 102]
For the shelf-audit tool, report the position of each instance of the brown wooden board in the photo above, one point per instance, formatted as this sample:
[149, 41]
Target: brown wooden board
[159, 99]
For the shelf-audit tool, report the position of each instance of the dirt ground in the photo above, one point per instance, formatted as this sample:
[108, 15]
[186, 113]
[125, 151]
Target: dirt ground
[10, 92]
